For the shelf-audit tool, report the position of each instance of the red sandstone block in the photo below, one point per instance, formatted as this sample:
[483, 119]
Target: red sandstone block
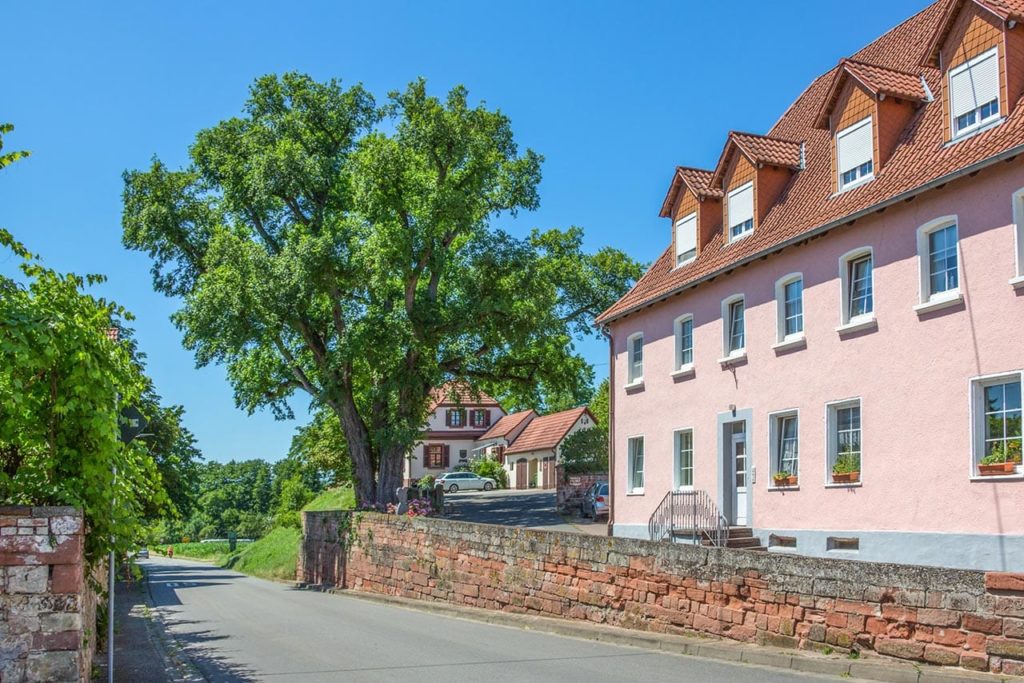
[938, 617]
[62, 640]
[1004, 581]
[835, 620]
[899, 613]
[949, 637]
[856, 607]
[900, 630]
[1013, 668]
[976, 642]
[904, 649]
[975, 662]
[66, 578]
[945, 656]
[974, 622]
[756, 583]
[1013, 628]
[923, 633]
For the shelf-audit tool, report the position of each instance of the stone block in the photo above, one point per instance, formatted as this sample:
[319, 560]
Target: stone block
[982, 624]
[1004, 581]
[67, 578]
[27, 579]
[904, 649]
[936, 654]
[65, 525]
[55, 641]
[938, 617]
[57, 667]
[1005, 648]
[974, 661]
[60, 621]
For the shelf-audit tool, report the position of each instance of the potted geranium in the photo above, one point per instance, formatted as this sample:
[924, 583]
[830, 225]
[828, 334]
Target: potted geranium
[784, 478]
[846, 468]
[1001, 460]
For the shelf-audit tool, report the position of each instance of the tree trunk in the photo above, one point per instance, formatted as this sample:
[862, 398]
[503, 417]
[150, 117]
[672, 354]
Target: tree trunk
[389, 476]
[359, 452]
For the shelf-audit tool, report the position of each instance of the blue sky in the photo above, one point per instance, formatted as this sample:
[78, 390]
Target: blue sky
[614, 95]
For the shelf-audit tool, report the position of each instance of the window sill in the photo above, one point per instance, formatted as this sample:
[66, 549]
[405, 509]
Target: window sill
[635, 492]
[790, 344]
[864, 180]
[684, 372]
[970, 133]
[733, 359]
[737, 238]
[851, 485]
[1016, 476]
[940, 301]
[635, 385]
[783, 489]
[1017, 282]
[857, 325]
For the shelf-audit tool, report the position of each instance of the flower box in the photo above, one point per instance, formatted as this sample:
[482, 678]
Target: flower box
[785, 481]
[997, 468]
[845, 477]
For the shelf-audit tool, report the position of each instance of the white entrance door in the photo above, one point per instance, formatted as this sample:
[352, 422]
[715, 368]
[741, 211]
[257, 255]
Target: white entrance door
[739, 458]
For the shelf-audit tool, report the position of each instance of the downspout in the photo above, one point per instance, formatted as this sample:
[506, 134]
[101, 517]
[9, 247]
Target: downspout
[611, 429]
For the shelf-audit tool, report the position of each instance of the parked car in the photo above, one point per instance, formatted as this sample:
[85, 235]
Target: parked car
[596, 500]
[454, 481]
[142, 554]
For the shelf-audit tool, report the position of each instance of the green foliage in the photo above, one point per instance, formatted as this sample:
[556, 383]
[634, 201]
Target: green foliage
[585, 451]
[340, 498]
[294, 496]
[599, 405]
[321, 449]
[846, 462]
[314, 251]
[61, 381]
[489, 467]
[275, 556]
[426, 482]
[216, 551]
[9, 158]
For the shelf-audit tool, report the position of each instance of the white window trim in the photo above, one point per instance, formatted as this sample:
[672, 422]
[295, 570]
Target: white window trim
[675, 237]
[631, 381]
[729, 239]
[630, 491]
[974, 387]
[773, 450]
[831, 409]
[869, 121]
[680, 368]
[860, 322]
[1017, 281]
[782, 339]
[927, 301]
[737, 354]
[978, 126]
[676, 486]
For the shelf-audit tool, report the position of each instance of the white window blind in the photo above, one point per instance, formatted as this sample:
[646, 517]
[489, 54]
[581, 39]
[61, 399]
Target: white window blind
[974, 83]
[686, 238]
[855, 146]
[741, 206]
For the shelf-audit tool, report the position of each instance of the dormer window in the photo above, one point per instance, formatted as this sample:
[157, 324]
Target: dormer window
[741, 211]
[974, 92]
[855, 151]
[686, 239]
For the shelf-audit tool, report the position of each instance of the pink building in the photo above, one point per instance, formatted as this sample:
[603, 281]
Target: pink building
[828, 356]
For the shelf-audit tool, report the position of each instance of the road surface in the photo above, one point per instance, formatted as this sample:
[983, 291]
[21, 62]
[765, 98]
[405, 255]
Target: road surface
[238, 628]
[533, 508]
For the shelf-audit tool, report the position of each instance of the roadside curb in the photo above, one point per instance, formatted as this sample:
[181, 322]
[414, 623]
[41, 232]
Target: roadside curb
[869, 668]
[178, 664]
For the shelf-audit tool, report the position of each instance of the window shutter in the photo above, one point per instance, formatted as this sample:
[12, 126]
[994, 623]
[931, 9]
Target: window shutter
[448, 417]
[855, 146]
[686, 236]
[445, 455]
[487, 418]
[462, 417]
[741, 204]
[974, 83]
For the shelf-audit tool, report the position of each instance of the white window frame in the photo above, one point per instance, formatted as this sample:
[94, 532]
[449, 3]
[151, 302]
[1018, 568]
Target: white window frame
[728, 229]
[631, 488]
[979, 124]
[1017, 281]
[865, 320]
[681, 368]
[831, 439]
[677, 483]
[927, 300]
[870, 175]
[729, 354]
[774, 429]
[633, 379]
[782, 339]
[675, 238]
[976, 387]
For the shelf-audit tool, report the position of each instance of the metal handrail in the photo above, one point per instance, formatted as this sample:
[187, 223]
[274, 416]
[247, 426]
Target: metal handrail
[694, 512]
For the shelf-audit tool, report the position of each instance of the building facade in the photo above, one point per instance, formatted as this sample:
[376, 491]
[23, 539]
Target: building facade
[832, 345]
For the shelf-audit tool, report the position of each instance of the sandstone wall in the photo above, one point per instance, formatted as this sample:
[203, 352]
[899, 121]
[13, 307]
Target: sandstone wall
[47, 615]
[949, 617]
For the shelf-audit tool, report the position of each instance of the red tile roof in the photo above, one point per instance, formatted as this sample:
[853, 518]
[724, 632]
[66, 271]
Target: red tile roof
[877, 79]
[545, 433]
[696, 180]
[807, 206]
[760, 149]
[1004, 9]
[506, 424]
[459, 393]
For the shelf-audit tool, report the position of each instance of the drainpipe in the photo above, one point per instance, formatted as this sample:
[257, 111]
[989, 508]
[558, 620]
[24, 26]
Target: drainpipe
[611, 428]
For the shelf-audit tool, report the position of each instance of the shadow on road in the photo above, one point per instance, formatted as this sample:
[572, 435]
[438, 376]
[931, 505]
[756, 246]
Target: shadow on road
[508, 508]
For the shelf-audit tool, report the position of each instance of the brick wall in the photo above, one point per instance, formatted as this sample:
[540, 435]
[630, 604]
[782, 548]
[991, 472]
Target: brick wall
[942, 616]
[47, 616]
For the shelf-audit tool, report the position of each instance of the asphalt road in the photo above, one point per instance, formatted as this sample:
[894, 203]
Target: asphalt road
[524, 508]
[238, 628]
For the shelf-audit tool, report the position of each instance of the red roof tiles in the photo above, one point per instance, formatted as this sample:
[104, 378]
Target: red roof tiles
[760, 149]
[459, 393]
[545, 433]
[696, 180]
[920, 160]
[1004, 9]
[877, 79]
[506, 424]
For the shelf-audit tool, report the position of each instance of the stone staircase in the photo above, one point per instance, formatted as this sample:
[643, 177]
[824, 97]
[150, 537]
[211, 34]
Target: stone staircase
[743, 538]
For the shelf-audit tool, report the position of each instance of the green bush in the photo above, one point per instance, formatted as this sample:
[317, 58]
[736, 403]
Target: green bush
[426, 482]
[484, 466]
[585, 452]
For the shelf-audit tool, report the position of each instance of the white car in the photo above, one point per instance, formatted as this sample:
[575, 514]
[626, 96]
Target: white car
[466, 481]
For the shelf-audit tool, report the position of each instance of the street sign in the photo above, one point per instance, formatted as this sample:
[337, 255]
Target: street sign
[132, 423]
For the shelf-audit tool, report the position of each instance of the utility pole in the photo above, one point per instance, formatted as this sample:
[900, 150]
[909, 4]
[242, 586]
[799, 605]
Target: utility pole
[113, 334]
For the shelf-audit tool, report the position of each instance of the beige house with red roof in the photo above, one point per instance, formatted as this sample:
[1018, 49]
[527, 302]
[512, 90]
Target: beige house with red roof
[464, 424]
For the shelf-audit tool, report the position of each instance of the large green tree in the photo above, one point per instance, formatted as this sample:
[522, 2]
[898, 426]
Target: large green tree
[323, 244]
